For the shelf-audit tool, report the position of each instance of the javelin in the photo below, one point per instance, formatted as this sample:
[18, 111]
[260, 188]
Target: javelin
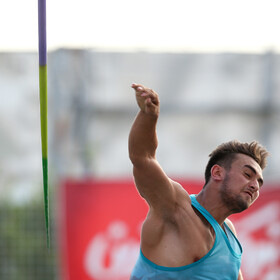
[43, 86]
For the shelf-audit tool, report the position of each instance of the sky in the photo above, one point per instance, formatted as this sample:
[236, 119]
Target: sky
[160, 25]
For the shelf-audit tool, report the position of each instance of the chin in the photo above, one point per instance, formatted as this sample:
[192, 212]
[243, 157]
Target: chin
[237, 204]
[241, 208]
[240, 205]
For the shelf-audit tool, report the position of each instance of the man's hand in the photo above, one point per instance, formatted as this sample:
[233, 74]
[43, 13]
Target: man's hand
[147, 99]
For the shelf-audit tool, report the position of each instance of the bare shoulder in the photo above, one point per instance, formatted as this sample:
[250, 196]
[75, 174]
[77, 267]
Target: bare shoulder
[231, 226]
[180, 199]
[182, 196]
[161, 224]
[167, 206]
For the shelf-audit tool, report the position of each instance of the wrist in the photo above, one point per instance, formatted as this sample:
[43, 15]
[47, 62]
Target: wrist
[150, 115]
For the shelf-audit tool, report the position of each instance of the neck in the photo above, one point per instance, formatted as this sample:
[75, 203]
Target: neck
[212, 202]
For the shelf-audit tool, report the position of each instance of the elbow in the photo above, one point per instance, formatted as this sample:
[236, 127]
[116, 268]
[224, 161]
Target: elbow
[139, 161]
[136, 160]
[140, 156]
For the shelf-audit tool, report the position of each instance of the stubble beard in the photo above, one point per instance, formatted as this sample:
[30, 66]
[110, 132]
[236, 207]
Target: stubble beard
[234, 202]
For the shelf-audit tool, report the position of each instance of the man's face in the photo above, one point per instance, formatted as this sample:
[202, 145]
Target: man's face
[240, 187]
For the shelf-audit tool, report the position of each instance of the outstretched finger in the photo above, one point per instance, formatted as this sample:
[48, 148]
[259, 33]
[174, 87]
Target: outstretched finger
[140, 90]
[137, 87]
[146, 92]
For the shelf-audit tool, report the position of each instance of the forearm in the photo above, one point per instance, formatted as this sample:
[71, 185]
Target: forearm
[151, 181]
[143, 138]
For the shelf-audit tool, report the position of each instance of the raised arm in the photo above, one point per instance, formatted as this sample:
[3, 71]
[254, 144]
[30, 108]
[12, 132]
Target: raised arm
[143, 138]
[151, 181]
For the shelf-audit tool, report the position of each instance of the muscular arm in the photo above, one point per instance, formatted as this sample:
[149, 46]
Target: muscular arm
[151, 181]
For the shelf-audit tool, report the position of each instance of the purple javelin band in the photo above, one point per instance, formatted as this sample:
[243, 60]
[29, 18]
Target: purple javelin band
[42, 32]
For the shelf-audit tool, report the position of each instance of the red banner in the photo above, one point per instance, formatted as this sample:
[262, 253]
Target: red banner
[101, 221]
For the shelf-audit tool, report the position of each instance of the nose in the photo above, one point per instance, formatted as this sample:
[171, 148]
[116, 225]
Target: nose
[254, 185]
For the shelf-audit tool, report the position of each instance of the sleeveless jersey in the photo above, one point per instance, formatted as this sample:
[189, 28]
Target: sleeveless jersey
[221, 262]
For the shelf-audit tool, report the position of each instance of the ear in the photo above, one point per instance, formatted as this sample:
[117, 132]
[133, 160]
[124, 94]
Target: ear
[217, 172]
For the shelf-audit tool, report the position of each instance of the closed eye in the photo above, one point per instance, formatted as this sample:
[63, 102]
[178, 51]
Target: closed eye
[249, 175]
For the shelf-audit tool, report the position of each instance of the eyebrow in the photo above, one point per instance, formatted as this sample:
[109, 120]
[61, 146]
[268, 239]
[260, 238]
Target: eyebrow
[255, 172]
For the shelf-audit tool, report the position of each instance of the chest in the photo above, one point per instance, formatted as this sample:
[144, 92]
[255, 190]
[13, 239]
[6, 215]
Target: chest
[195, 234]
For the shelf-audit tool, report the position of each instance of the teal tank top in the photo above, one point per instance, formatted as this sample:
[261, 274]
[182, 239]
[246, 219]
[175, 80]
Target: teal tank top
[221, 262]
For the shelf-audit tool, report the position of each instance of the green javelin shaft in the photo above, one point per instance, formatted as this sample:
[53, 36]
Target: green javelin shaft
[43, 86]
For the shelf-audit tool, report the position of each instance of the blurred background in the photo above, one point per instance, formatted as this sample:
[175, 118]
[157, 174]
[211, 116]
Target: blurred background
[215, 65]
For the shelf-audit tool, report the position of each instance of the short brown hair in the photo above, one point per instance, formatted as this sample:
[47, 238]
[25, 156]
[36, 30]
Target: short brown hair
[225, 153]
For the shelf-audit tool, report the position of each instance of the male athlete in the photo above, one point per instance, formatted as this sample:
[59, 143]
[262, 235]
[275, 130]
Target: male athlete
[189, 236]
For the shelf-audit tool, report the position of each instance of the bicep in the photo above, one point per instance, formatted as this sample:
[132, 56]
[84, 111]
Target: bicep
[153, 184]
